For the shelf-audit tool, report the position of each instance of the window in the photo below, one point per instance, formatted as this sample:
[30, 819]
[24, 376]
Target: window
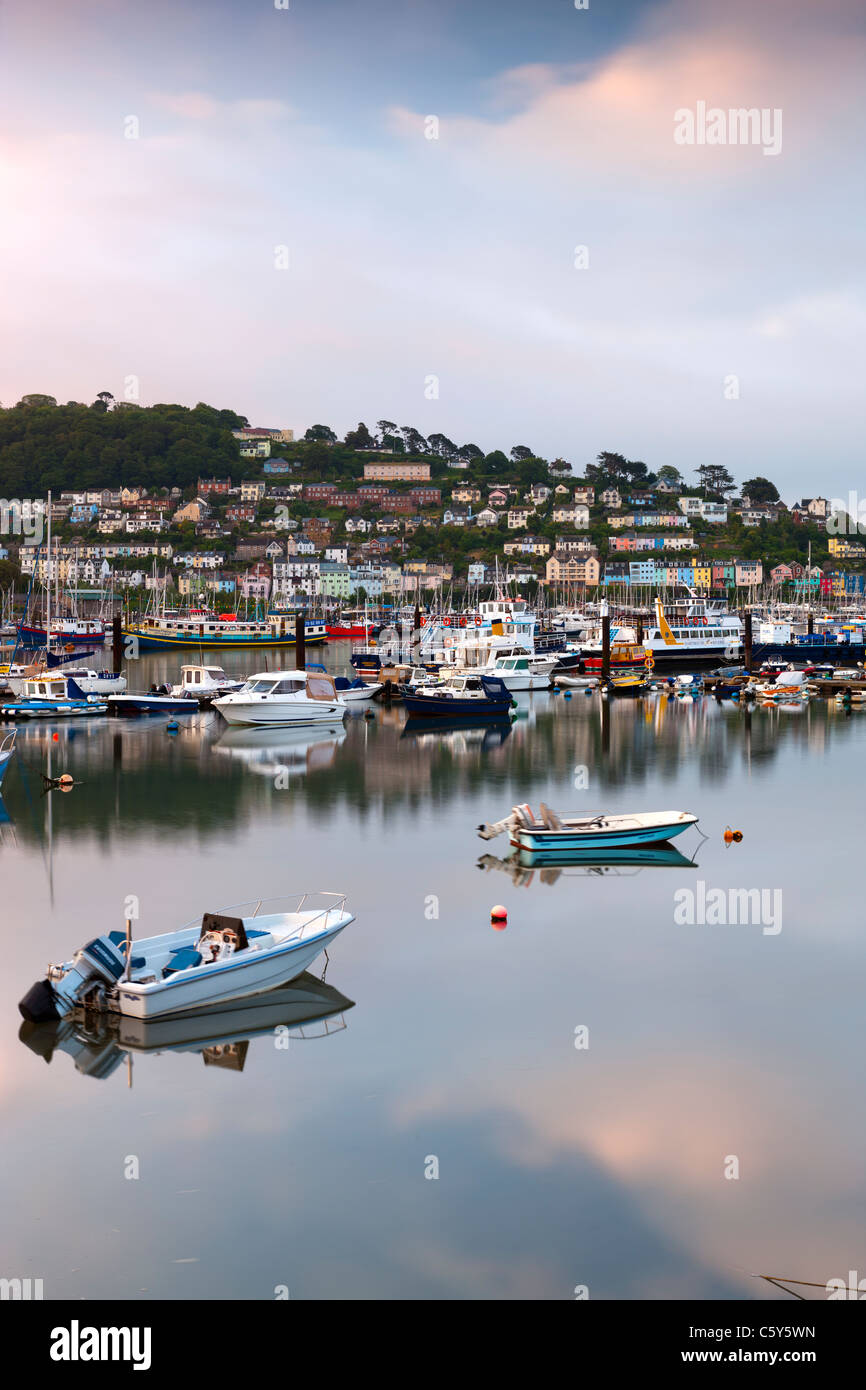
[286, 688]
[262, 687]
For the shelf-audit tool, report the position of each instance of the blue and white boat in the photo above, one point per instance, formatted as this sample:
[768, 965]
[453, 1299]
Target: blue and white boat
[462, 697]
[7, 748]
[221, 958]
[549, 832]
[152, 702]
[52, 696]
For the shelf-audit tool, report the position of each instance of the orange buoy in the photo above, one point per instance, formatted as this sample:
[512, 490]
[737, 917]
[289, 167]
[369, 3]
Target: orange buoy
[66, 782]
[498, 917]
[732, 836]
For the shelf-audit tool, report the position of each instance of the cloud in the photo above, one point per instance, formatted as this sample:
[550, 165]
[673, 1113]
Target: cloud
[455, 255]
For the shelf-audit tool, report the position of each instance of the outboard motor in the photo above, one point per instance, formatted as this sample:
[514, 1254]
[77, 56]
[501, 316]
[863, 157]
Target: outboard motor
[100, 962]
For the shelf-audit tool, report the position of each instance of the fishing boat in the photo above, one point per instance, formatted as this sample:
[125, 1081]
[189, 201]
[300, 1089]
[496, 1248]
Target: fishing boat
[463, 696]
[7, 749]
[284, 697]
[222, 958]
[550, 832]
[205, 684]
[99, 1044]
[49, 697]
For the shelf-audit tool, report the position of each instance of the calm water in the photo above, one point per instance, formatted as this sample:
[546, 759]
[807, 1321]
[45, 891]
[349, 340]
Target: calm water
[262, 1166]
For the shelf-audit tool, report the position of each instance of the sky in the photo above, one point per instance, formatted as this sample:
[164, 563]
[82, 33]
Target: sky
[226, 201]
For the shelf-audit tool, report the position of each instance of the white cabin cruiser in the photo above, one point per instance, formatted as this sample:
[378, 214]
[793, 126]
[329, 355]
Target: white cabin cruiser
[283, 697]
[214, 961]
[520, 670]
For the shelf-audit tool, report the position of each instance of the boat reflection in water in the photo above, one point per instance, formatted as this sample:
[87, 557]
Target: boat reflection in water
[467, 732]
[522, 865]
[99, 1043]
[282, 750]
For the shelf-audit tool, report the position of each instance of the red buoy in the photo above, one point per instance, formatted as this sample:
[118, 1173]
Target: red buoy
[498, 917]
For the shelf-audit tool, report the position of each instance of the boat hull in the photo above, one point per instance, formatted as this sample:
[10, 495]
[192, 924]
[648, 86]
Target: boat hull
[570, 841]
[264, 715]
[835, 653]
[151, 704]
[439, 706]
[150, 639]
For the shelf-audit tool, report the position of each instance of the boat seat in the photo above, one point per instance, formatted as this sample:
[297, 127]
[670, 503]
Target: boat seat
[182, 959]
[549, 818]
[526, 816]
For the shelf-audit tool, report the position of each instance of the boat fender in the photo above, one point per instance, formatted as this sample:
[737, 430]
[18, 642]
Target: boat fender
[38, 1004]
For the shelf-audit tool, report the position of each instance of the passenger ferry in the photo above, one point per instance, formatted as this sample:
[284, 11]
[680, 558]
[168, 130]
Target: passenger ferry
[201, 628]
[690, 629]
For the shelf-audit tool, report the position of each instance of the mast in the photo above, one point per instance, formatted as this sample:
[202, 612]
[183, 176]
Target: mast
[48, 585]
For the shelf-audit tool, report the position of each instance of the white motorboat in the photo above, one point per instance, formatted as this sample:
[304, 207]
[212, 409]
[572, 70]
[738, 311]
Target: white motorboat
[205, 683]
[520, 670]
[283, 697]
[550, 832]
[221, 958]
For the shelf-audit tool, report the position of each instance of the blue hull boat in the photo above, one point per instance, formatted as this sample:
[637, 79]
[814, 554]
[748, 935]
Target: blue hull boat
[152, 704]
[465, 697]
[550, 833]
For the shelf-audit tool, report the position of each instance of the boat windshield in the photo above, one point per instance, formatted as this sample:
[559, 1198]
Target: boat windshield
[261, 687]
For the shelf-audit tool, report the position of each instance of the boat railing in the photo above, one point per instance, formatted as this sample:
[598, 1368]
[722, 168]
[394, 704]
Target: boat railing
[337, 906]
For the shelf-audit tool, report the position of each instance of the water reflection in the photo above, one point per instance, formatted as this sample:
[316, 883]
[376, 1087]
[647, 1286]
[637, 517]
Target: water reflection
[522, 866]
[98, 1044]
[133, 774]
[557, 1167]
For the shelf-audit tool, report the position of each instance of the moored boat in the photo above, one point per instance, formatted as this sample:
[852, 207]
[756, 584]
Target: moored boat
[550, 832]
[283, 697]
[222, 958]
[52, 696]
[464, 696]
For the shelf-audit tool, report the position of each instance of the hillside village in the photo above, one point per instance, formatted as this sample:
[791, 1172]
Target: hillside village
[394, 514]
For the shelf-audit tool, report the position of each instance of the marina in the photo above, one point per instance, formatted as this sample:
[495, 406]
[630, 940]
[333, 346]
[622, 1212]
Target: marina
[701, 1013]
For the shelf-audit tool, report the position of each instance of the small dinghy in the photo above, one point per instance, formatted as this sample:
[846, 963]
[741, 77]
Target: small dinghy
[212, 962]
[575, 682]
[549, 832]
[357, 689]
